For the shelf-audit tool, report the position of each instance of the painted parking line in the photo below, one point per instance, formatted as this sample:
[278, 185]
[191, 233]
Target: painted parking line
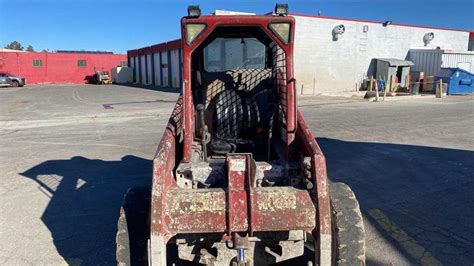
[410, 246]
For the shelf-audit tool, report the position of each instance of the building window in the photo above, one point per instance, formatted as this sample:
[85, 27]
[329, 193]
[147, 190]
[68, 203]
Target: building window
[81, 63]
[37, 63]
[123, 63]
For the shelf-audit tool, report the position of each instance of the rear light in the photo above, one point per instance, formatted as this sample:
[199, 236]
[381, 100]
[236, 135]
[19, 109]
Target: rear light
[282, 31]
[193, 30]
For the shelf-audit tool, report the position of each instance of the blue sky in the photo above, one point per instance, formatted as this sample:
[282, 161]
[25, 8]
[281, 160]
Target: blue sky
[118, 26]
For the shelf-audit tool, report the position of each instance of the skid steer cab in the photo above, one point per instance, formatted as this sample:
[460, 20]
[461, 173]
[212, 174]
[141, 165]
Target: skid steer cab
[238, 177]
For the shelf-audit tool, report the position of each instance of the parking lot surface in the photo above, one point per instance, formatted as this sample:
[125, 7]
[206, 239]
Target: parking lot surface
[69, 153]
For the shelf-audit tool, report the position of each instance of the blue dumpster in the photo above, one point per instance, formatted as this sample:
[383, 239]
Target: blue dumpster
[459, 81]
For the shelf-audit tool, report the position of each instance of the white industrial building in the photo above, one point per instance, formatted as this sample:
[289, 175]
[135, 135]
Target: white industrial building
[157, 65]
[332, 55]
[331, 65]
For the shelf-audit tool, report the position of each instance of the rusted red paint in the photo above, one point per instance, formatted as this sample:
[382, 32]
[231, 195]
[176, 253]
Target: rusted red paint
[323, 229]
[163, 165]
[272, 209]
[194, 211]
[281, 209]
[241, 207]
[275, 209]
[238, 171]
[213, 22]
[176, 210]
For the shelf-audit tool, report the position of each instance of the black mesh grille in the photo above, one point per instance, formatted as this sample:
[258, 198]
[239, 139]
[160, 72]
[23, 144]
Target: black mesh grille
[279, 78]
[229, 115]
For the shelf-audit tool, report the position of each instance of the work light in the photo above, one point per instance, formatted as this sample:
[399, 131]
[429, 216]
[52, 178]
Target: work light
[281, 9]
[194, 11]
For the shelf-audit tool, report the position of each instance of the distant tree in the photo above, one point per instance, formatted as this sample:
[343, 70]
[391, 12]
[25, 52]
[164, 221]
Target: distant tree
[14, 46]
[30, 48]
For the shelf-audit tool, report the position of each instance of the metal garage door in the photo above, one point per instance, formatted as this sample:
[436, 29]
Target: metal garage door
[143, 69]
[148, 70]
[157, 69]
[164, 66]
[175, 82]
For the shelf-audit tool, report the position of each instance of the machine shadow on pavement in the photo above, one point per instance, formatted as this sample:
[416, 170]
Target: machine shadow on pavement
[419, 198]
[85, 199]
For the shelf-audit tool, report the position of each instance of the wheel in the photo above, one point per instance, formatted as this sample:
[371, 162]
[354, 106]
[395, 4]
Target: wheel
[133, 227]
[348, 226]
[15, 83]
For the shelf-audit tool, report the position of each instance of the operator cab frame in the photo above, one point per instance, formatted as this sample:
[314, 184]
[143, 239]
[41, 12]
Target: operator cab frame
[243, 102]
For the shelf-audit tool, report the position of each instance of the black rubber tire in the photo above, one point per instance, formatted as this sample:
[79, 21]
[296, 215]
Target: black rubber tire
[15, 84]
[348, 226]
[133, 227]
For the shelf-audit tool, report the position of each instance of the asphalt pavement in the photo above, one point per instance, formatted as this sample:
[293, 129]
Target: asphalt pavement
[69, 153]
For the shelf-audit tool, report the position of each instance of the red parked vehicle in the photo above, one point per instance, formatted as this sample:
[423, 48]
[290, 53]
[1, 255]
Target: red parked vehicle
[238, 178]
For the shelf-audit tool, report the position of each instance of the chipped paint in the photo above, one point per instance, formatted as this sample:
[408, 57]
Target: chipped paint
[238, 165]
[323, 230]
[186, 202]
[278, 199]
[240, 206]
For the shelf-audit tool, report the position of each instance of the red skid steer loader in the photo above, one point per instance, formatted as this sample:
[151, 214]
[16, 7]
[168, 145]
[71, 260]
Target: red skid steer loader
[238, 177]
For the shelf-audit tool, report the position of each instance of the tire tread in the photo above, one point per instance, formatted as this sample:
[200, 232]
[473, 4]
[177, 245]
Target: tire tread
[349, 232]
[132, 228]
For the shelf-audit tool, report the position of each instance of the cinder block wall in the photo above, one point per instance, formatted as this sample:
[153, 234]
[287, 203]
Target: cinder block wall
[57, 68]
[338, 66]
